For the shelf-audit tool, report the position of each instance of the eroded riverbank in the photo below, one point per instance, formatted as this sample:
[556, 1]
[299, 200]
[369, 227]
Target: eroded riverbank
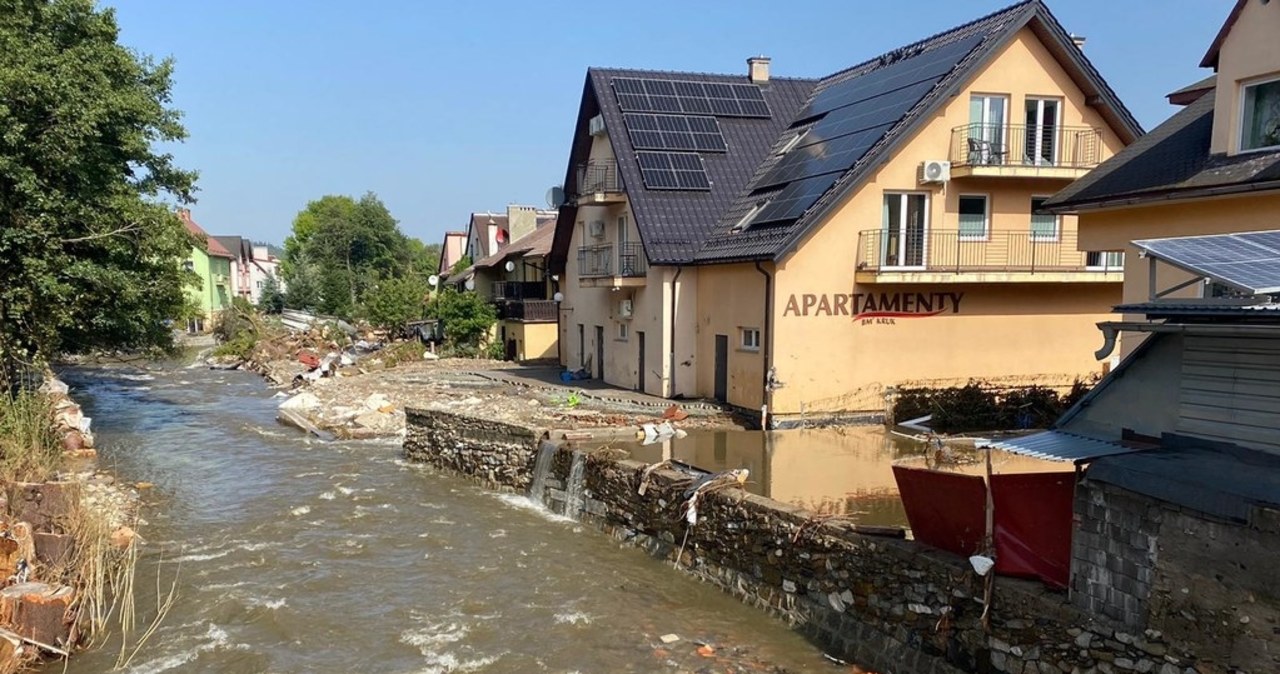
[294, 555]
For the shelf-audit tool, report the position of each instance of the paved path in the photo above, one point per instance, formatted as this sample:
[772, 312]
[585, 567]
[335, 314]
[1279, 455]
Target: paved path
[549, 378]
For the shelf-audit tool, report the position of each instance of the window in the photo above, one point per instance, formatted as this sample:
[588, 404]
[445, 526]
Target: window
[1260, 126]
[791, 142]
[1041, 148]
[1043, 227]
[1108, 260]
[986, 129]
[750, 339]
[905, 230]
[189, 265]
[624, 331]
[622, 231]
[751, 215]
[973, 217]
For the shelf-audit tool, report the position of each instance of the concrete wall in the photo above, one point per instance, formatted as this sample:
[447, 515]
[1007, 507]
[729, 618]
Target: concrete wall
[1249, 53]
[731, 297]
[534, 341]
[1203, 584]
[889, 604]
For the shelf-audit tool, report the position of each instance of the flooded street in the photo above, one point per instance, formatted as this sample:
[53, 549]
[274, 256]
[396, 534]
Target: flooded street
[300, 556]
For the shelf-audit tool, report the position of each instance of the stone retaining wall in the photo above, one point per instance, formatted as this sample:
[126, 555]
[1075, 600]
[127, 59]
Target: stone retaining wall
[888, 604]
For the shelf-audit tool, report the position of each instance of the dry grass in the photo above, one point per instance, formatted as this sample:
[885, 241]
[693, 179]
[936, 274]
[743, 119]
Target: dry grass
[29, 448]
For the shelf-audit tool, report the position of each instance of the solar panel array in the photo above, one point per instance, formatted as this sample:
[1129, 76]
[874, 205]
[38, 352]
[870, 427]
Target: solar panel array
[847, 118]
[674, 132]
[1248, 261]
[690, 98]
[673, 171]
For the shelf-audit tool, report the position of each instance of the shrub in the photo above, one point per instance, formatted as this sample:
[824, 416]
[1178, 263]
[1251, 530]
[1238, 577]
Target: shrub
[394, 302]
[29, 447]
[979, 407]
[466, 317]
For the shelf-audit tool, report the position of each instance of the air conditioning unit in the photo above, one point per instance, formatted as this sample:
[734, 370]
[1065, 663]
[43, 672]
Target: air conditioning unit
[935, 172]
[624, 308]
[596, 126]
[596, 229]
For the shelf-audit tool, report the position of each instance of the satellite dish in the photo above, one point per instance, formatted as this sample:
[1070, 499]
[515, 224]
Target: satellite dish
[471, 284]
[502, 236]
[559, 297]
[555, 197]
[510, 266]
[433, 280]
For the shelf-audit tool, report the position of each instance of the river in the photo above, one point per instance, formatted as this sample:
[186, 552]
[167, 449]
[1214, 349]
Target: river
[294, 555]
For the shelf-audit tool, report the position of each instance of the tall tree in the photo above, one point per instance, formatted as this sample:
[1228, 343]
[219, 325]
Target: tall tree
[89, 254]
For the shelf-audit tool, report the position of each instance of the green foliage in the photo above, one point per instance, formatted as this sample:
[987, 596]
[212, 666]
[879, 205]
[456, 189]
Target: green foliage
[394, 302]
[462, 263]
[91, 257]
[236, 330]
[424, 257]
[271, 299]
[496, 350]
[349, 245]
[29, 448]
[303, 291]
[573, 400]
[466, 317]
[978, 407]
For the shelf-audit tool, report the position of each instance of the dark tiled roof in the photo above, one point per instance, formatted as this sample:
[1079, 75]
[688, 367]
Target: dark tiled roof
[673, 224]
[987, 34]
[1192, 309]
[1192, 92]
[1173, 160]
[535, 244]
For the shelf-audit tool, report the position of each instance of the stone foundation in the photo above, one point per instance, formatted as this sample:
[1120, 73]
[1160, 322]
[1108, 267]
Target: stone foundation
[888, 604]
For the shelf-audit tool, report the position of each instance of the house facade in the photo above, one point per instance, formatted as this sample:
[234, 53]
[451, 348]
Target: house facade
[452, 249]
[211, 262]
[880, 229]
[515, 279]
[1211, 168]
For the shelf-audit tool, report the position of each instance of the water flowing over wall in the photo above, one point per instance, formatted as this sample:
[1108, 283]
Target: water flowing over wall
[889, 604]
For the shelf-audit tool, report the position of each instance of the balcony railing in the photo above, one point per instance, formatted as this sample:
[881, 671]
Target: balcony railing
[600, 260]
[958, 252]
[519, 290]
[528, 310]
[1021, 145]
[599, 176]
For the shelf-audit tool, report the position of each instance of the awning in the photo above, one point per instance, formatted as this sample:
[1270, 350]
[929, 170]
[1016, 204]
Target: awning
[1057, 446]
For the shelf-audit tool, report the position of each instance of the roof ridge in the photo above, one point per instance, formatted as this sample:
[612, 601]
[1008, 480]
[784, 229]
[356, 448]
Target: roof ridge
[656, 71]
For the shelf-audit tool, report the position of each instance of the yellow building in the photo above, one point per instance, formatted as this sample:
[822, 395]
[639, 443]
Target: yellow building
[1212, 168]
[515, 279]
[805, 246]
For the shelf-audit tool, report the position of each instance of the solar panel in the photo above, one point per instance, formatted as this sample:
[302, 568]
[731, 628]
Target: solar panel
[674, 132]
[794, 199]
[683, 96]
[673, 171]
[1249, 261]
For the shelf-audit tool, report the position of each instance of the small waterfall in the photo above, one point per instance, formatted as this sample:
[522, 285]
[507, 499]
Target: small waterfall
[541, 470]
[573, 498]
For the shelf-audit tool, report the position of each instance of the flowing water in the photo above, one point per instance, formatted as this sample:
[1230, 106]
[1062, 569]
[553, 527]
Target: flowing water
[293, 555]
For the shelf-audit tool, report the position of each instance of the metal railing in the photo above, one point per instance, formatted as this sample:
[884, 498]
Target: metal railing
[528, 310]
[957, 251]
[1022, 145]
[599, 260]
[599, 176]
[519, 290]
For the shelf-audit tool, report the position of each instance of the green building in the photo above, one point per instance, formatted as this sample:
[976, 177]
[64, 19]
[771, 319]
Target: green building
[212, 263]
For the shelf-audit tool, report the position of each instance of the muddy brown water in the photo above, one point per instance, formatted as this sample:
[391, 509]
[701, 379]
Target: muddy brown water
[301, 556]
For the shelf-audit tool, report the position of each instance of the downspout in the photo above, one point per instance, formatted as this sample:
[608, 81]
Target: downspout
[671, 357]
[766, 338]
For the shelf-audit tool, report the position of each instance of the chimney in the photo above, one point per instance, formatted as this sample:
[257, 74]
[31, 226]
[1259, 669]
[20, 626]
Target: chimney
[1078, 41]
[758, 69]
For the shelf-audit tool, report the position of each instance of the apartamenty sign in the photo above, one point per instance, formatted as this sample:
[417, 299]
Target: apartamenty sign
[874, 307]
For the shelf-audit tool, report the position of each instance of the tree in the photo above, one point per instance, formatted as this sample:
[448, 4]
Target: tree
[424, 257]
[91, 255]
[394, 302]
[271, 299]
[466, 318]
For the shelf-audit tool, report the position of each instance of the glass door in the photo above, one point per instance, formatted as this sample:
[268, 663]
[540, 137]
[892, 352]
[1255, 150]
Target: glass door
[1042, 131]
[905, 230]
[986, 129]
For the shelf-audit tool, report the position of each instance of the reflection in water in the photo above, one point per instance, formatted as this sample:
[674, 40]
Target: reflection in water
[830, 471]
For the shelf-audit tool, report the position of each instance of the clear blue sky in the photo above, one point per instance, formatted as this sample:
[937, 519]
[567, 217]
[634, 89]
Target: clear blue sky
[447, 108]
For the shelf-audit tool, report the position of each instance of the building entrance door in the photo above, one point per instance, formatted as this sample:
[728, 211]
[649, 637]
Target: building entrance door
[905, 235]
[599, 373]
[722, 368]
[640, 379]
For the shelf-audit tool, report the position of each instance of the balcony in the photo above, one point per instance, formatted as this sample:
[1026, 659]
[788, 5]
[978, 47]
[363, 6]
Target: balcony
[528, 311]
[599, 183]
[600, 266]
[1022, 151]
[950, 256]
[519, 290]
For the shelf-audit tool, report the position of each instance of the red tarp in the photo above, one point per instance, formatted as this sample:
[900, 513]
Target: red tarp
[1032, 518]
[946, 510]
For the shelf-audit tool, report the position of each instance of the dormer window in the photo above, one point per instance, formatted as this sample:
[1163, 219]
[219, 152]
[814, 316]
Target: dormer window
[1260, 123]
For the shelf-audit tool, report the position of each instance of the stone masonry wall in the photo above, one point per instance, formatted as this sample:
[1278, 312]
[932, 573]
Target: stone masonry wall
[1180, 573]
[888, 604]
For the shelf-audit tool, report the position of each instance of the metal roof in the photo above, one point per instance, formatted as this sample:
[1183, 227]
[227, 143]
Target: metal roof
[1263, 309]
[1057, 446]
[1247, 261]
[1224, 481]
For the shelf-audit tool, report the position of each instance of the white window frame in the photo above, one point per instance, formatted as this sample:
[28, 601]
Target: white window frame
[994, 145]
[624, 331]
[1058, 104]
[986, 218]
[1057, 223]
[749, 339]
[1104, 255]
[1244, 89]
[928, 226]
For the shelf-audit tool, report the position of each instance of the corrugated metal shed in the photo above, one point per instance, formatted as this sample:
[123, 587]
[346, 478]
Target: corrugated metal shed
[1057, 446]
